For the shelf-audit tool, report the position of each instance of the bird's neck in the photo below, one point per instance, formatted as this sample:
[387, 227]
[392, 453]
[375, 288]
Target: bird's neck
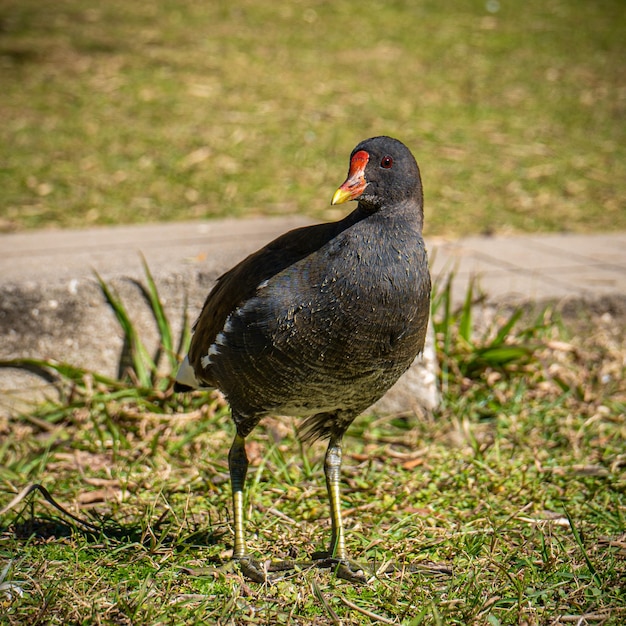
[409, 211]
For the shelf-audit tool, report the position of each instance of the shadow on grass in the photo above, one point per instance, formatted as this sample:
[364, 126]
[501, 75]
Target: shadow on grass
[46, 527]
[104, 531]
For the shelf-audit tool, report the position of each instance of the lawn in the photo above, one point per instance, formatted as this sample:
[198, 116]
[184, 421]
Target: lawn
[147, 111]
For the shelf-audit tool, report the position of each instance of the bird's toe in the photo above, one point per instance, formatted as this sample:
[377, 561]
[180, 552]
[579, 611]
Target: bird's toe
[343, 568]
[354, 572]
[253, 570]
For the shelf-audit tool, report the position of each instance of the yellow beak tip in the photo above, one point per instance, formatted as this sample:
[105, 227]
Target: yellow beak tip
[340, 196]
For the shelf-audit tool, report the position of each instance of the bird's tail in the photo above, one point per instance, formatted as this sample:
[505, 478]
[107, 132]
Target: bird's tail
[185, 377]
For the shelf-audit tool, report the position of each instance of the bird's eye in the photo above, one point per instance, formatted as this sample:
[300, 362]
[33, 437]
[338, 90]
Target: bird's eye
[386, 162]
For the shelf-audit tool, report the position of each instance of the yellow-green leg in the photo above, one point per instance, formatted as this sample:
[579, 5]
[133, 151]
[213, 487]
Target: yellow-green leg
[332, 471]
[238, 468]
[337, 551]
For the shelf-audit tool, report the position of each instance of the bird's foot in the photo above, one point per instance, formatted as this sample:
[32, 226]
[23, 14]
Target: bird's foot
[350, 570]
[268, 572]
[276, 570]
[253, 570]
[343, 568]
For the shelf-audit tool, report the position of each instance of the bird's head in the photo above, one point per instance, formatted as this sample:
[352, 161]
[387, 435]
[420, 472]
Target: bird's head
[383, 173]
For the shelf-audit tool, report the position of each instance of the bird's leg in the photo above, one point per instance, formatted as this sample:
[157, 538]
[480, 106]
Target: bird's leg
[238, 468]
[337, 551]
[332, 471]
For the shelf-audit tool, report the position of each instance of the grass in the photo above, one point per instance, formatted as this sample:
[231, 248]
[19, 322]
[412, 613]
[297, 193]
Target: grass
[517, 484]
[148, 111]
[133, 112]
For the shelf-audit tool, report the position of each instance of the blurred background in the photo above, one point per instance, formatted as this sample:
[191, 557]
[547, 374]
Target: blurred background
[117, 112]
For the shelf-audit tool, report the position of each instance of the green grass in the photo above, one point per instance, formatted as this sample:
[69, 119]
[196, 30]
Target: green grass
[517, 484]
[146, 111]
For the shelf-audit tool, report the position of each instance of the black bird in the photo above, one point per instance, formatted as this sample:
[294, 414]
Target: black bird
[320, 323]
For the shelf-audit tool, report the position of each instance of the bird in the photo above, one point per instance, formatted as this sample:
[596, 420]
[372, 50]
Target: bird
[319, 324]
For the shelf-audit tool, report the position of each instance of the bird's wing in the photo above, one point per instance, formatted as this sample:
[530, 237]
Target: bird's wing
[240, 283]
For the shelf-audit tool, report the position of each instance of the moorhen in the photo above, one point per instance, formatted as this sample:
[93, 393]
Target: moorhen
[319, 324]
